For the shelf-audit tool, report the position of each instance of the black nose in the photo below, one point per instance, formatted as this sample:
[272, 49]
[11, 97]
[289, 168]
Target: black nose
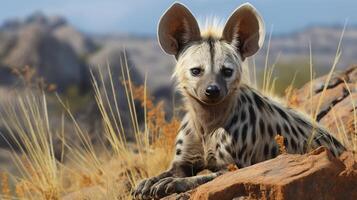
[212, 91]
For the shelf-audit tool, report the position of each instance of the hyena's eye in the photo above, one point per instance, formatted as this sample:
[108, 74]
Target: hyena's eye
[196, 71]
[227, 72]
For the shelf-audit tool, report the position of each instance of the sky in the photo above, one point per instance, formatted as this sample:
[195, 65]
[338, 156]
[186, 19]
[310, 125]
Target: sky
[141, 17]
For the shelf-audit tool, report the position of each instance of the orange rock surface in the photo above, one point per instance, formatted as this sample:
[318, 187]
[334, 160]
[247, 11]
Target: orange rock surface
[317, 175]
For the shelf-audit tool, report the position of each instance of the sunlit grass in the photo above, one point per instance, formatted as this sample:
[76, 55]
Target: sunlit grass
[322, 96]
[29, 127]
[115, 166]
[111, 169]
[268, 87]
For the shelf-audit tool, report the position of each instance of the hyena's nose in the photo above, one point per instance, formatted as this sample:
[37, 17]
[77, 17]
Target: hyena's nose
[212, 91]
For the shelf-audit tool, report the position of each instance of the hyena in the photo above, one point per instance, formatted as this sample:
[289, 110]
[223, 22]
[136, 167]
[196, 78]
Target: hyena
[226, 122]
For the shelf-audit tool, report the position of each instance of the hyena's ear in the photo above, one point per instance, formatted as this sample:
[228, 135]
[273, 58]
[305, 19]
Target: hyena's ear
[245, 30]
[177, 28]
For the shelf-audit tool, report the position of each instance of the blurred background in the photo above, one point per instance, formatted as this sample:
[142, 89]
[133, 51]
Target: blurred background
[63, 40]
[57, 44]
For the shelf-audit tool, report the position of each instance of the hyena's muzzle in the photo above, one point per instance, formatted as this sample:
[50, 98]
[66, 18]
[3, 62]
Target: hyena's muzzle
[212, 89]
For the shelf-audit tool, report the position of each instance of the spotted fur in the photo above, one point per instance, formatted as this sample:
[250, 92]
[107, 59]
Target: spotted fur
[231, 123]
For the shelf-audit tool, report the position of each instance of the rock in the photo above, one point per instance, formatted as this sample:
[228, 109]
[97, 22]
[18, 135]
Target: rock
[7, 41]
[317, 175]
[336, 109]
[52, 59]
[341, 119]
[49, 45]
[146, 56]
[302, 95]
[38, 18]
[81, 44]
[7, 78]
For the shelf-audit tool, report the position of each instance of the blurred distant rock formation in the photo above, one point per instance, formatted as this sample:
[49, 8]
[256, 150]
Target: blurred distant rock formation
[38, 42]
[54, 46]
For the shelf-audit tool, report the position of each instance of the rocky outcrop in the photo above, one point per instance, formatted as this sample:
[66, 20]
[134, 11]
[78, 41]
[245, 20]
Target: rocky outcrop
[79, 42]
[334, 107]
[53, 60]
[43, 43]
[145, 55]
[317, 175]
[38, 18]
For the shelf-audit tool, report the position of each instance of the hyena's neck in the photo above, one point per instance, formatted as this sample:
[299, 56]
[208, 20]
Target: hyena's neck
[207, 118]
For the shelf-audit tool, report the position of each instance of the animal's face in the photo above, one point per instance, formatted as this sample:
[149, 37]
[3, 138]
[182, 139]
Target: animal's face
[209, 65]
[209, 71]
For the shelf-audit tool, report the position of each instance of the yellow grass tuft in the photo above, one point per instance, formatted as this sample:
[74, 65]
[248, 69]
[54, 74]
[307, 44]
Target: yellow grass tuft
[28, 125]
[112, 169]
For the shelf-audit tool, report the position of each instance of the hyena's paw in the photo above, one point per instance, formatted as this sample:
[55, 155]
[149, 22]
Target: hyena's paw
[171, 185]
[142, 190]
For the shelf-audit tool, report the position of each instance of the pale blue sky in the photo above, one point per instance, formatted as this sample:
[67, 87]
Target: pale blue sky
[140, 17]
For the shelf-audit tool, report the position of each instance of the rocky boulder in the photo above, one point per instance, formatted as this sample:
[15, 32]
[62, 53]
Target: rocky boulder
[7, 41]
[53, 60]
[50, 46]
[146, 56]
[38, 18]
[317, 175]
[335, 107]
[80, 43]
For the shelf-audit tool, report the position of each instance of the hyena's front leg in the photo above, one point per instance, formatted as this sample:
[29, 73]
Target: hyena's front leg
[142, 190]
[171, 185]
[217, 160]
[187, 162]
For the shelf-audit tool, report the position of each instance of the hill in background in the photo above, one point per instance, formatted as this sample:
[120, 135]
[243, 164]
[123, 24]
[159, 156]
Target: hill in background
[63, 55]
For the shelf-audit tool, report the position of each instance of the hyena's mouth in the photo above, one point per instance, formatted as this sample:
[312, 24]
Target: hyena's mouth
[207, 101]
[203, 100]
[212, 103]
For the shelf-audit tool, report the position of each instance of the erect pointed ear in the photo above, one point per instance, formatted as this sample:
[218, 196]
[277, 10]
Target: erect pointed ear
[245, 30]
[177, 28]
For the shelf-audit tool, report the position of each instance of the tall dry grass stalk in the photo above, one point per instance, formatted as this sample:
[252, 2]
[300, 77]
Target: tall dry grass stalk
[111, 171]
[322, 96]
[114, 168]
[268, 83]
[28, 125]
[268, 88]
[150, 154]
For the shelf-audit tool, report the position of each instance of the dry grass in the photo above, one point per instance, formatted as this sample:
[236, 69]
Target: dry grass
[280, 141]
[109, 172]
[28, 125]
[268, 88]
